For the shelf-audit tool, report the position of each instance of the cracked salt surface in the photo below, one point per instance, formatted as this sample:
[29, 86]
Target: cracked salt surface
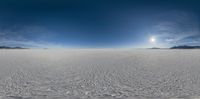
[100, 74]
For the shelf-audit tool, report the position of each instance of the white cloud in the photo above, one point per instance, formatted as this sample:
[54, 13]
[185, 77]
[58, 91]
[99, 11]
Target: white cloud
[175, 26]
[26, 36]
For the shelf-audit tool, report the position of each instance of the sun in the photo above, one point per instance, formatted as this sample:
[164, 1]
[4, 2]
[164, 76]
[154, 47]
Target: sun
[152, 39]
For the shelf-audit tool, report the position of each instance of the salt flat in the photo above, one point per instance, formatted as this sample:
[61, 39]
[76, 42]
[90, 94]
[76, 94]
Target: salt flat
[100, 74]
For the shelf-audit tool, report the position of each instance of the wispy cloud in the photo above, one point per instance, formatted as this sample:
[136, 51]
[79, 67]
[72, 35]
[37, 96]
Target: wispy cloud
[176, 27]
[26, 36]
[30, 44]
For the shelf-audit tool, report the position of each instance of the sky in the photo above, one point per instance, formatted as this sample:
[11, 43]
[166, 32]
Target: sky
[99, 23]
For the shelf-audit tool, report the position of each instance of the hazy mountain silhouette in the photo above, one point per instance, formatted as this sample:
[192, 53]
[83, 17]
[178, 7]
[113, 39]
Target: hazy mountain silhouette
[154, 48]
[8, 47]
[185, 47]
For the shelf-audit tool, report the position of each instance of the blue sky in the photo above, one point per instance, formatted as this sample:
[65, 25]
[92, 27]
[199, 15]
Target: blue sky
[99, 23]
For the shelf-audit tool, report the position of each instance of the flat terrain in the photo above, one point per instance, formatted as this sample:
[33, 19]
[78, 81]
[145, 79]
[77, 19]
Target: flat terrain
[100, 74]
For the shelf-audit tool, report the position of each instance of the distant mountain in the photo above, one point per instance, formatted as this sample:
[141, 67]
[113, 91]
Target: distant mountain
[7, 47]
[155, 48]
[185, 47]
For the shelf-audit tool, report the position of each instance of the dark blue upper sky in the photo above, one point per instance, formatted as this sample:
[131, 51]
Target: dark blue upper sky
[99, 23]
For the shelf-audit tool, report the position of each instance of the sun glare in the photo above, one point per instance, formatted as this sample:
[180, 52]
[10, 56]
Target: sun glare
[152, 39]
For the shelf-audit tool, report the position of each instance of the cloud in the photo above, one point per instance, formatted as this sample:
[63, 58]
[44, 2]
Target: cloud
[30, 44]
[27, 36]
[176, 27]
